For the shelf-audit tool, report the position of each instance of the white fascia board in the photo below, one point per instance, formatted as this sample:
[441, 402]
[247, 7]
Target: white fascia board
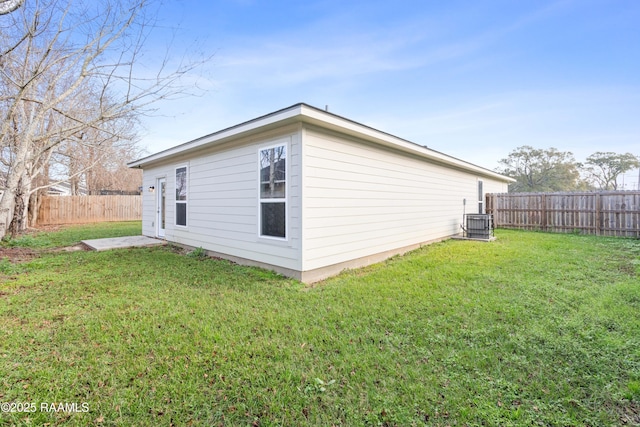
[308, 114]
[337, 123]
[224, 135]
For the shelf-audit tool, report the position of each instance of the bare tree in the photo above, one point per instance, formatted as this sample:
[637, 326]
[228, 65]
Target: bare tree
[96, 168]
[94, 158]
[55, 55]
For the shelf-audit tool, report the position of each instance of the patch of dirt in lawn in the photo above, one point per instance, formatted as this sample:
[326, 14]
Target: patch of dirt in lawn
[629, 413]
[32, 231]
[628, 268]
[44, 228]
[17, 254]
[74, 248]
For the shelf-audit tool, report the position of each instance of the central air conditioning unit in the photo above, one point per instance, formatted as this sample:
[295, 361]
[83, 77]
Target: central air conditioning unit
[479, 226]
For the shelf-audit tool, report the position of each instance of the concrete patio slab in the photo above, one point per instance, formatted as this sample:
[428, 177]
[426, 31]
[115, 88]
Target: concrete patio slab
[122, 242]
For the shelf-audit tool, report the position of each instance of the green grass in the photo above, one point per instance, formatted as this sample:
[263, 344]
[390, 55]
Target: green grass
[532, 329]
[71, 235]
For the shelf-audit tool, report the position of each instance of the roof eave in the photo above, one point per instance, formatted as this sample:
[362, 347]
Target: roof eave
[331, 121]
[308, 114]
[259, 124]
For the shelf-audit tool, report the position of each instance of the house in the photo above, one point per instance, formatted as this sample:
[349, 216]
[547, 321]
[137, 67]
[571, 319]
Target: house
[64, 189]
[308, 193]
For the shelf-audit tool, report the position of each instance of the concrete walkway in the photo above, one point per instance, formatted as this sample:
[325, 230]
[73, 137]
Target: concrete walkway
[122, 242]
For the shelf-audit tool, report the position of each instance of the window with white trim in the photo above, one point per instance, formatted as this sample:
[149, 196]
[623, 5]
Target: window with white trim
[181, 196]
[273, 191]
[480, 197]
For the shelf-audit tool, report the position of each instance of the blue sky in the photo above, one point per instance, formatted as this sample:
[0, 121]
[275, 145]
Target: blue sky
[473, 79]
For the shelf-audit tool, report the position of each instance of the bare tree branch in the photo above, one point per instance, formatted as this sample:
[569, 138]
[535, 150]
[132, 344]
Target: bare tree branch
[71, 82]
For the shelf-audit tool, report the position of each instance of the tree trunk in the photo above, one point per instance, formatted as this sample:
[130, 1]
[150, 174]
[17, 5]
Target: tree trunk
[34, 207]
[20, 210]
[15, 225]
[9, 197]
[6, 211]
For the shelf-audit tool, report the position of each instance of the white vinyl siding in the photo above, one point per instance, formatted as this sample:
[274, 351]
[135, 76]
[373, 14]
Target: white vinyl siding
[223, 203]
[149, 179]
[347, 198]
[361, 199]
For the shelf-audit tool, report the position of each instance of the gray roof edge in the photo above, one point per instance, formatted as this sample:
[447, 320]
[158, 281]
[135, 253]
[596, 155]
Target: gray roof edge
[297, 110]
[206, 139]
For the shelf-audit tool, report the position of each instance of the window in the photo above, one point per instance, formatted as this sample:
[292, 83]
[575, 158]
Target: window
[273, 191]
[181, 196]
[480, 197]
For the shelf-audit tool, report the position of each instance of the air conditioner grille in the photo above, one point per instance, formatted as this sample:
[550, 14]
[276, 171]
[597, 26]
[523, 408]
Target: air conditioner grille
[479, 226]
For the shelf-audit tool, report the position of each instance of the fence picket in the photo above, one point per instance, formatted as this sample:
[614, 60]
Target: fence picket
[56, 210]
[606, 213]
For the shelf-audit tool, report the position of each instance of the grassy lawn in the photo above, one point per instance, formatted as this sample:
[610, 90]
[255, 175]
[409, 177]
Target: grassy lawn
[71, 235]
[532, 329]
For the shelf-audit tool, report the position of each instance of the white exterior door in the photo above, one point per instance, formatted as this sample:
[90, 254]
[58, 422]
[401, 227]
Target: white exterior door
[161, 202]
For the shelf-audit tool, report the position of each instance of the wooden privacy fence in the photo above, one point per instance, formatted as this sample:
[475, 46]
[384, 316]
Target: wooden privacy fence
[82, 209]
[607, 213]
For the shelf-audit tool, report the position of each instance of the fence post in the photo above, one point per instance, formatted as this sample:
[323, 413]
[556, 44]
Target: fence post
[494, 208]
[488, 203]
[543, 213]
[598, 214]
